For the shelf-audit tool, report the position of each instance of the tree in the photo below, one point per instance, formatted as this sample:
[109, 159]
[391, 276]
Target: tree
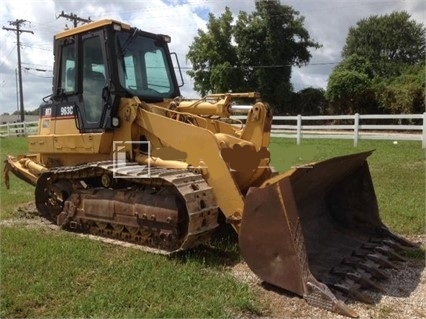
[380, 68]
[309, 101]
[405, 93]
[214, 58]
[356, 63]
[254, 55]
[350, 92]
[33, 112]
[389, 42]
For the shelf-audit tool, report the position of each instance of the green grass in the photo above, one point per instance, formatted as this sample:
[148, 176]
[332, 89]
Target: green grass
[54, 274]
[20, 191]
[47, 273]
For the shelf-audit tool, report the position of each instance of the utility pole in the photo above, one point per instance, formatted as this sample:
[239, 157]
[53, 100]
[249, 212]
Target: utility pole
[73, 17]
[17, 90]
[17, 24]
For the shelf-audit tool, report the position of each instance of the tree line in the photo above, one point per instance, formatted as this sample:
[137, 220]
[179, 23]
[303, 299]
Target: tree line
[382, 68]
[32, 112]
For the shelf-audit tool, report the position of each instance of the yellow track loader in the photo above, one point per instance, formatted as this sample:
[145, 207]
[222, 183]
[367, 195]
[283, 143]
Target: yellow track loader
[120, 154]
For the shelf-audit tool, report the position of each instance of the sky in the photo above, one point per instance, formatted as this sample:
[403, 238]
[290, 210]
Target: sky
[327, 21]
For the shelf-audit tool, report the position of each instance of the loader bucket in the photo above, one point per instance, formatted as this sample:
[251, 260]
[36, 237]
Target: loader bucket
[316, 231]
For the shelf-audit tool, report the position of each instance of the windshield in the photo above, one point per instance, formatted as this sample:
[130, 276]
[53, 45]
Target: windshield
[143, 66]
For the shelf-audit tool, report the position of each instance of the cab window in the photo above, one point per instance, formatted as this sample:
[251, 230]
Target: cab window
[93, 79]
[68, 82]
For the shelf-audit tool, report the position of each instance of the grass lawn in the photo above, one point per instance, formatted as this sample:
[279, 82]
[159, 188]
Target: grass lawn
[54, 274]
[20, 191]
[47, 273]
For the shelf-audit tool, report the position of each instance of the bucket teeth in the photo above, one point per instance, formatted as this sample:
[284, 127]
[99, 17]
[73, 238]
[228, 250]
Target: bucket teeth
[319, 295]
[353, 292]
[385, 232]
[368, 246]
[367, 265]
[375, 256]
[340, 271]
[384, 249]
[381, 260]
[389, 242]
[344, 310]
[364, 281]
[390, 252]
[360, 276]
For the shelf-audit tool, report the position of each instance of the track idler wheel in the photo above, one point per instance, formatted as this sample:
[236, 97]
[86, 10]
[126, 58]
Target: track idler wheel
[50, 196]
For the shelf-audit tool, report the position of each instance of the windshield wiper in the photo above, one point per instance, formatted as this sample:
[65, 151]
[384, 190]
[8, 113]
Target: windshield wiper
[128, 42]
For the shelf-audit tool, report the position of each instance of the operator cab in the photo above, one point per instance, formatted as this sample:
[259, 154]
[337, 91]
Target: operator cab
[98, 63]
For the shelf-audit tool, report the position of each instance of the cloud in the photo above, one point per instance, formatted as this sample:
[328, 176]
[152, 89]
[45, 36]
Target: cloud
[327, 21]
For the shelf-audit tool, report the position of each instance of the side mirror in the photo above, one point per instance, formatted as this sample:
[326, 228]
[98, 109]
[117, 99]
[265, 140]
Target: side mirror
[178, 67]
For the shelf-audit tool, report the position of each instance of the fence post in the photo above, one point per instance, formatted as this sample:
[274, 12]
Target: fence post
[424, 131]
[8, 129]
[25, 128]
[299, 129]
[356, 129]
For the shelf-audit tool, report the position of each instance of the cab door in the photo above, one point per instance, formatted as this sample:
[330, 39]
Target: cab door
[93, 79]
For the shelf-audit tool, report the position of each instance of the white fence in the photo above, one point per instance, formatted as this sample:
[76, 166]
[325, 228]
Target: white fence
[18, 129]
[354, 128]
[357, 130]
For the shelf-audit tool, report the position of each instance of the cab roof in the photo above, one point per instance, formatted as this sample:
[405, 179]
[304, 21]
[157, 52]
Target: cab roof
[91, 26]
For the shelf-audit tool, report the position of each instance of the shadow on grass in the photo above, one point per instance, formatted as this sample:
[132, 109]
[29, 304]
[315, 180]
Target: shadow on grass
[223, 250]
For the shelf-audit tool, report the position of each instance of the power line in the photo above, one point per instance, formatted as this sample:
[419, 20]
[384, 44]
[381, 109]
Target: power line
[37, 69]
[37, 73]
[36, 65]
[7, 56]
[269, 66]
[32, 46]
[73, 17]
[17, 23]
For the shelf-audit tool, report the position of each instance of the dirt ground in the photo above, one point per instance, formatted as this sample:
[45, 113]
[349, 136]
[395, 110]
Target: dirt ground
[404, 295]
